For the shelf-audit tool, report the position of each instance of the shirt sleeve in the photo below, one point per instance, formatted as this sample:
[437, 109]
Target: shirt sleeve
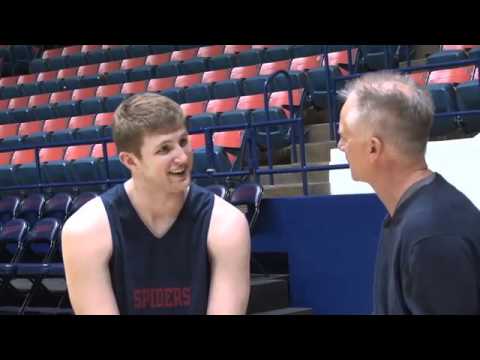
[441, 277]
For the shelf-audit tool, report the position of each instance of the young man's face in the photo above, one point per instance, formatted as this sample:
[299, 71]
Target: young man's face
[167, 160]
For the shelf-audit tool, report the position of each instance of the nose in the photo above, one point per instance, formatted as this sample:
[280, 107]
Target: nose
[181, 155]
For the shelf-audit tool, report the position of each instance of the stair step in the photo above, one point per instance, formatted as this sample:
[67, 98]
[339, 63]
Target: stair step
[316, 151]
[267, 294]
[292, 178]
[287, 311]
[296, 189]
[318, 133]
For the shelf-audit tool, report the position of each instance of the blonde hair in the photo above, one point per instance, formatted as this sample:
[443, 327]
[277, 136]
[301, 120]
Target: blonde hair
[142, 114]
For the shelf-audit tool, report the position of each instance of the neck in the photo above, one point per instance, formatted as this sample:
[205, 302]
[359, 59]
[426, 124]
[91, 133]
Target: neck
[153, 204]
[396, 181]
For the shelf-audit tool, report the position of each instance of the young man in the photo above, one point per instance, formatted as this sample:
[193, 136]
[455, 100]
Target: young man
[428, 259]
[157, 244]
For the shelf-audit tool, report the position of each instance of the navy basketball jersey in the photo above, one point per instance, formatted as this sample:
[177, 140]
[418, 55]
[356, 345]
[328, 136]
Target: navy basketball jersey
[167, 275]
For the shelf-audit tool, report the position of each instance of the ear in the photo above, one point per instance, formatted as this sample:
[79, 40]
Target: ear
[375, 148]
[128, 159]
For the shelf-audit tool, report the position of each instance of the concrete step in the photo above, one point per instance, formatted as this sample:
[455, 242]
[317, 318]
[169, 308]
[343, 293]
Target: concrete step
[318, 133]
[316, 151]
[287, 311]
[285, 190]
[292, 178]
[267, 294]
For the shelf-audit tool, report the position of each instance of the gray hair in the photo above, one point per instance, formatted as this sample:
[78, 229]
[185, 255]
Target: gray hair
[394, 107]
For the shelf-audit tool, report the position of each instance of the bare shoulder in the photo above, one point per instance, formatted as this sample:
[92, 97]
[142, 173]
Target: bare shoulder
[88, 228]
[228, 225]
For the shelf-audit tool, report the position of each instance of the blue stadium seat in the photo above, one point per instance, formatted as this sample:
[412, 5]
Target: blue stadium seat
[201, 163]
[40, 241]
[468, 99]
[6, 175]
[377, 57]
[55, 171]
[23, 114]
[251, 57]
[249, 194]
[197, 92]
[58, 206]
[97, 56]
[11, 92]
[11, 141]
[305, 50]
[92, 105]
[141, 73]
[11, 238]
[117, 53]
[8, 208]
[27, 174]
[57, 63]
[227, 89]
[116, 168]
[50, 86]
[84, 169]
[279, 135]
[316, 83]
[192, 66]
[38, 65]
[443, 96]
[31, 208]
[6, 116]
[78, 59]
[277, 53]
[176, 94]
[201, 121]
[446, 56]
[160, 49]
[138, 50]
[222, 62]
[112, 102]
[256, 85]
[233, 118]
[166, 70]
[28, 89]
[117, 77]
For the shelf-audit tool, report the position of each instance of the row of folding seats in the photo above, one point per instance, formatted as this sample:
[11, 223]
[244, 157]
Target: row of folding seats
[188, 60]
[85, 163]
[107, 97]
[77, 55]
[135, 69]
[30, 251]
[90, 54]
[15, 59]
[36, 206]
[89, 127]
[453, 90]
[55, 130]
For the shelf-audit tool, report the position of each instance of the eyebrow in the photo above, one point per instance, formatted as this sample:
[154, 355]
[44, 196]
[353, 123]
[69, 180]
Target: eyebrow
[169, 141]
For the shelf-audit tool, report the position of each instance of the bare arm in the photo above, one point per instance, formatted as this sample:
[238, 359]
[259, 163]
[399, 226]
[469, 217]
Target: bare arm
[87, 248]
[229, 248]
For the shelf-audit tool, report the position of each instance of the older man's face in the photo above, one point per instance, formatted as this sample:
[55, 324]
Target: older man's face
[354, 141]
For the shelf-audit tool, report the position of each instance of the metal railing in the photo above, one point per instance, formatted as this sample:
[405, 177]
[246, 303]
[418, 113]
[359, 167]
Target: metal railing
[295, 121]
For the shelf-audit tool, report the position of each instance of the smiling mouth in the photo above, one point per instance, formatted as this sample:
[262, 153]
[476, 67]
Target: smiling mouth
[178, 172]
